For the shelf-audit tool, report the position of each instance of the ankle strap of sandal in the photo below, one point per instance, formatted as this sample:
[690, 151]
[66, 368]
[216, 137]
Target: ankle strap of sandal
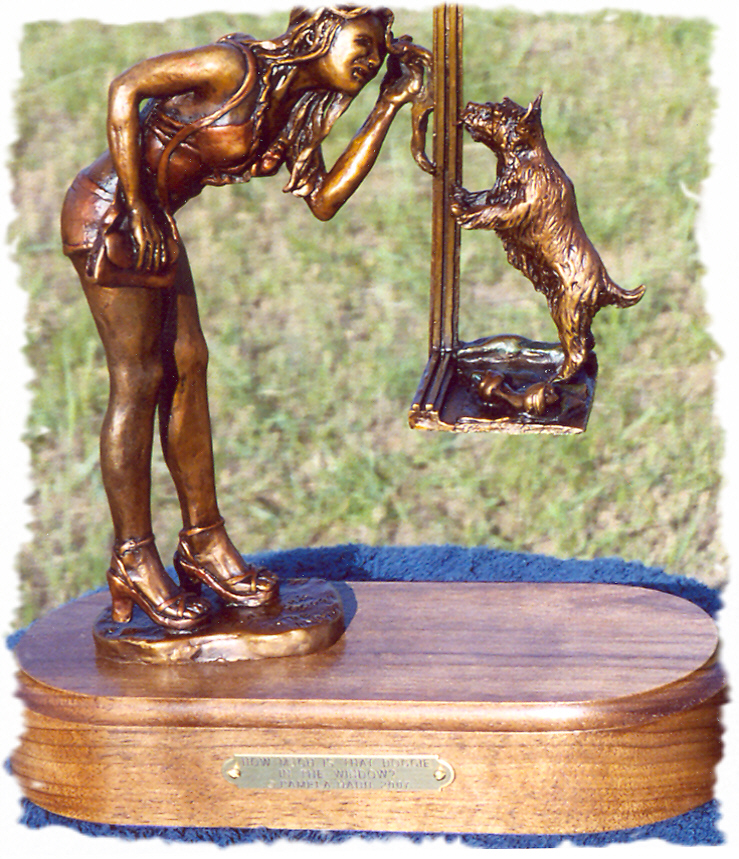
[193, 532]
[131, 545]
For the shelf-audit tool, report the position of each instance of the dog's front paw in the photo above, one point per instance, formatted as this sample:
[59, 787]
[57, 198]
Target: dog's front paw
[474, 219]
[459, 201]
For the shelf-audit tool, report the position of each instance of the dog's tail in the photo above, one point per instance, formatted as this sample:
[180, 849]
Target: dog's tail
[614, 294]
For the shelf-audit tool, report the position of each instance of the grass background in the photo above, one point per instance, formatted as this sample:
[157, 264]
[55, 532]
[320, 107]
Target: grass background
[318, 332]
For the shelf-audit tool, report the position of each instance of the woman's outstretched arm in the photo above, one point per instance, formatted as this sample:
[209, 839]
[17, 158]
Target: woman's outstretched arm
[401, 84]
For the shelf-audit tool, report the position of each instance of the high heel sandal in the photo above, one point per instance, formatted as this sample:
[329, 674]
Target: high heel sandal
[125, 592]
[194, 571]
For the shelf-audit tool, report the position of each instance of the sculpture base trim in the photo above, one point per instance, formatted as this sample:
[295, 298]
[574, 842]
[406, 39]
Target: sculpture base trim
[558, 708]
[306, 617]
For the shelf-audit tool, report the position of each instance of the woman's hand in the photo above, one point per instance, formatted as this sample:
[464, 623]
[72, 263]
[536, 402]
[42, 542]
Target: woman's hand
[148, 239]
[406, 63]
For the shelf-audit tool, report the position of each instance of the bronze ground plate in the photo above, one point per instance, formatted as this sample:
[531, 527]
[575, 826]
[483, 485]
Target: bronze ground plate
[307, 616]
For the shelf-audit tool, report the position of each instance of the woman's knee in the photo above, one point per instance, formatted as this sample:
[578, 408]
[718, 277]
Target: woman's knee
[138, 377]
[191, 357]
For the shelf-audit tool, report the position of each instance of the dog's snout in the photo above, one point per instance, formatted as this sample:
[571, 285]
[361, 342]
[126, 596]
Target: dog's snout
[475, 113]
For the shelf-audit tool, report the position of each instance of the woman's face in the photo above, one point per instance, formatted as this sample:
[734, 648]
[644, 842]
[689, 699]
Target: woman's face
[354, 57]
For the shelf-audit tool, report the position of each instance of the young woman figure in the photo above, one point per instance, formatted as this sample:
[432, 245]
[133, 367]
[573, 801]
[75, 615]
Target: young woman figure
[223, 113]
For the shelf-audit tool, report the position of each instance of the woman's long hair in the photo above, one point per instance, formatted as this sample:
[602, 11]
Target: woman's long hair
[309, 36]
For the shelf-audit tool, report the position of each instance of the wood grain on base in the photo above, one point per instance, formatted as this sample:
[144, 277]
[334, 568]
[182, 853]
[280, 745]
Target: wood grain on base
[561, 708]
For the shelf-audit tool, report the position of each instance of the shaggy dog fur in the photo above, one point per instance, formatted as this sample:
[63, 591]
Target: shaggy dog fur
[533, 210]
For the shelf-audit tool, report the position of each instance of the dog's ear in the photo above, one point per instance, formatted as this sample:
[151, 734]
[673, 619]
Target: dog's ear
[534, 108]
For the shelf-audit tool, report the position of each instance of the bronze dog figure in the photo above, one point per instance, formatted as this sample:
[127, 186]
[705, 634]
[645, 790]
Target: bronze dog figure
[533, 210]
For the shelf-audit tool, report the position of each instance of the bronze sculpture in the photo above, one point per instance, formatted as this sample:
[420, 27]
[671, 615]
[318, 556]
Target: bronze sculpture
[533, 210]
[241, 108]
[506, 383]
[223, 113]
[295, 718]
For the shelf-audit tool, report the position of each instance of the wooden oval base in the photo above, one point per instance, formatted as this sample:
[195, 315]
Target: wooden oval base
[306, 617]
[560, 708]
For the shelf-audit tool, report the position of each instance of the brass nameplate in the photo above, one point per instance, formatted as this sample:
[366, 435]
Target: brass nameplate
[338, 772]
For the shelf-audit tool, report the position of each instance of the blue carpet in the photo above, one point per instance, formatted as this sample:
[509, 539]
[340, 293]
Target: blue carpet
[698, 826]
[443, 563]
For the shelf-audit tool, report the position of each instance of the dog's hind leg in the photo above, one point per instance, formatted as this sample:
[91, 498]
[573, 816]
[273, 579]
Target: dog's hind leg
[573, 319]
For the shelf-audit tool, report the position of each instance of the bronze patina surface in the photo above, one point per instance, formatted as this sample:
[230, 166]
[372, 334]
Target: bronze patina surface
[242, 108]
[227, 112]
[507, 383]
[306, 616]
[533, 210]
[501, 384]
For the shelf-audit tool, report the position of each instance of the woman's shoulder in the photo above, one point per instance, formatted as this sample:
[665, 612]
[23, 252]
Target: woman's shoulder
[211, 76]
[225, 61]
